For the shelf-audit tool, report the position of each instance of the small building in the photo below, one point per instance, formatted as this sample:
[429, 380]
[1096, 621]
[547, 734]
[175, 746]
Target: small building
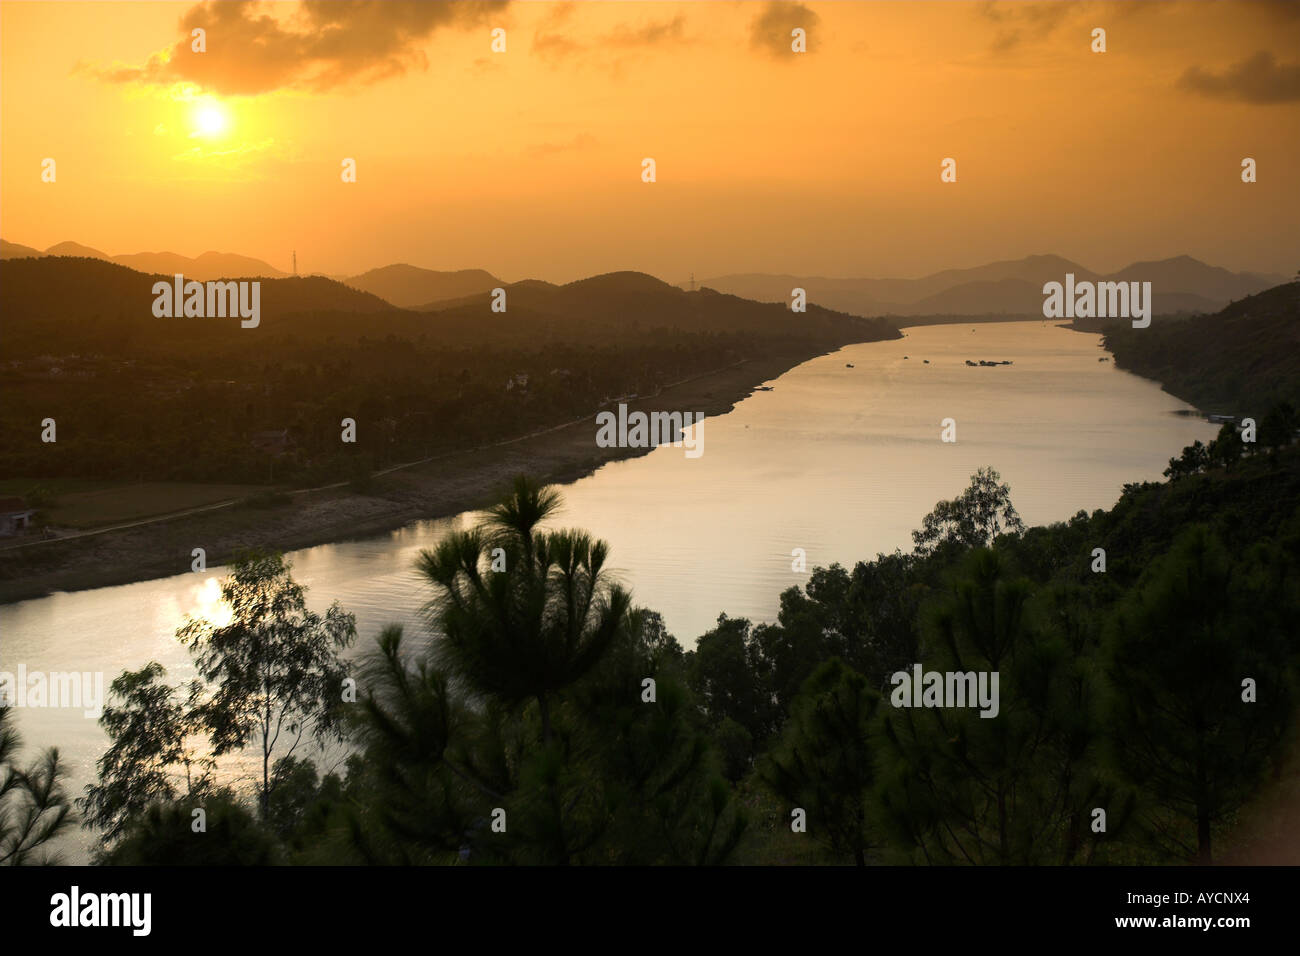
[15, 516]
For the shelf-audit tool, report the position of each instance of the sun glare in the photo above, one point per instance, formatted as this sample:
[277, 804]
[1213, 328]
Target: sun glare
[210, 120]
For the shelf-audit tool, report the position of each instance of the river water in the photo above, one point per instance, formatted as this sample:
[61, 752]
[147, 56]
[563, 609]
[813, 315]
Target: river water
[840, 462]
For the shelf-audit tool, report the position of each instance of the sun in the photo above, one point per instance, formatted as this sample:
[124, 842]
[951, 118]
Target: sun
[211, 120]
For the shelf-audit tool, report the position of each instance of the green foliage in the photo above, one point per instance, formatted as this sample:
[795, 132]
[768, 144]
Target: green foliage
[1193, 461]
[973, 520]
[538, 626]
[1180, 647]
[34, 809]
[964, 788]
[164, 835]
[535, 702]
[546, 695]
[1279, 425]
[733, 679]
[273, 672]
[823, 762]
[148, 730]
[1240, 360]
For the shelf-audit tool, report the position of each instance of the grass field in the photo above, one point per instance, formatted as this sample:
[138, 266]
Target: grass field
[91, 504]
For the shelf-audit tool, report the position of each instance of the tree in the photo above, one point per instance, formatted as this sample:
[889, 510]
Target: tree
[733, 680]
[33, 807]
[275, 666]
[1181, 644]
[823, 760]
[960, 787]
[148, 730]
[973, 520]
[1227, 447]
[1278, 428]
[1194, 460]
[166, 834]
[529, 631]
[547, 698]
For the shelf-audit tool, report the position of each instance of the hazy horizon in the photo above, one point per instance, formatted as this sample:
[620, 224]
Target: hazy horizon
[527, 162]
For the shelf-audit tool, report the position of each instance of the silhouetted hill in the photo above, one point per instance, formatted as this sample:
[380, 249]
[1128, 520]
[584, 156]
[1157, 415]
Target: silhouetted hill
[1011, 286]
[409, 286]
[210, 265]
[75, 249]
[1185, 274]
[186, 398]
[12, 250]
[82, 302]
[1238, 361]
[607, 305]
[1015, 297]
[67, 304]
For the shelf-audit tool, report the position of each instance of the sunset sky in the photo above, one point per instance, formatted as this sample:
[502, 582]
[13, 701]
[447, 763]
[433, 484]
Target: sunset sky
[527, 163]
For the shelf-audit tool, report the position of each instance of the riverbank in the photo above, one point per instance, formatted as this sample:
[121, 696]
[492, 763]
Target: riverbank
[458, 482]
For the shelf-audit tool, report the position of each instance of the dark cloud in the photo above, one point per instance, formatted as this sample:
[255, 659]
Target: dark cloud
[770, 31]
[325, 44]
[1260, 79]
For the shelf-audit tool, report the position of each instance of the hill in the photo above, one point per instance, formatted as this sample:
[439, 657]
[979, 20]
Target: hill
[210, 265]
[12, 250]
[167, 399]
[1238, 361]
[65, 304]
[407, 286]
[75, 250]
[617, 302]
[1012, 287]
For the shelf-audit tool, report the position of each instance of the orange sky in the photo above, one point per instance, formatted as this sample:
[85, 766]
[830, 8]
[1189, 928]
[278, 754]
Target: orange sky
[528, 162]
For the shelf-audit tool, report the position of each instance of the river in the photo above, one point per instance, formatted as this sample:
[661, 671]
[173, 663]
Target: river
[842, 462]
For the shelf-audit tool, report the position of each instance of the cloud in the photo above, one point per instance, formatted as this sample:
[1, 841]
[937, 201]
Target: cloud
[1020, 22]
[770, 30]
[648, 35]
[558, 45]
[323, 45]
[1260, 79]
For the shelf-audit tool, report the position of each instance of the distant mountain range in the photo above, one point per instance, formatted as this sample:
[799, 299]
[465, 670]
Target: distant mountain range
[83, 304]
[210, 265]
[1010, 287]
[615, 302]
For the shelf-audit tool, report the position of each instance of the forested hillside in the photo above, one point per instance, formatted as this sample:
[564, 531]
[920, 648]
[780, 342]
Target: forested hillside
[1239, 361]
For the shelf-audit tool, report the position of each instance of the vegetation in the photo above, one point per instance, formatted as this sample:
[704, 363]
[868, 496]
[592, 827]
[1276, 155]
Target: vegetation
[33, 807]
[191, 399]
[1147, 685]
[1239, 361]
